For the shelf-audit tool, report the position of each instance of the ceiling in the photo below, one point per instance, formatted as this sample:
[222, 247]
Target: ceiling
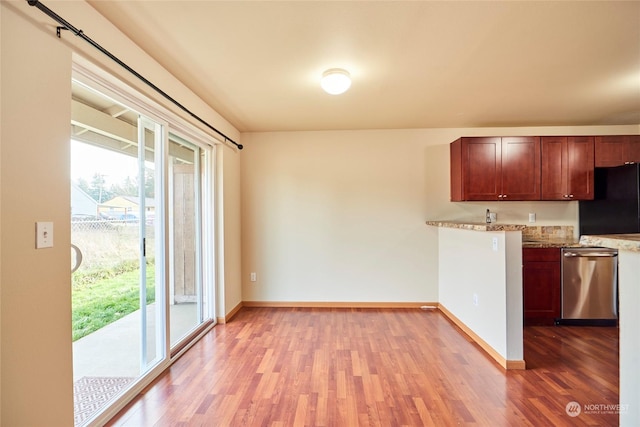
[414, 64]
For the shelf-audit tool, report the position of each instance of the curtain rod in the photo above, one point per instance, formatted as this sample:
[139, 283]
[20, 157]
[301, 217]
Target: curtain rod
[67, 26]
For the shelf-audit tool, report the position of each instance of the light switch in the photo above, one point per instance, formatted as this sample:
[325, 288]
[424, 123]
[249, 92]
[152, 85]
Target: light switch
[44, 235]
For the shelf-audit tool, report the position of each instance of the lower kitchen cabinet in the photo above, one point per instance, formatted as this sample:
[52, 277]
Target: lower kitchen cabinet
[541, 285]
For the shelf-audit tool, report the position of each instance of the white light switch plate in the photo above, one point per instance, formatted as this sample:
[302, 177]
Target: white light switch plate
[44, 235]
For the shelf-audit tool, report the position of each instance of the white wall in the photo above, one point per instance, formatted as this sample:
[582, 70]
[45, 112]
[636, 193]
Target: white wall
[469, 266]
[230, 293]
[629, 295]
[35, 293]
[1, 68]
[35, 286]
[340, 215]
[335, 216]
[514, 301]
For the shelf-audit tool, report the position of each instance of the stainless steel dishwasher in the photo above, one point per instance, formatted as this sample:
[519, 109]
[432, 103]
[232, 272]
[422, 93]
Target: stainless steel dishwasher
[589, 286]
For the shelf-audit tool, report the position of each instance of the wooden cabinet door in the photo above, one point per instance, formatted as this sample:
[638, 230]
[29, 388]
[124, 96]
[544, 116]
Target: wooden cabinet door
[580, 167]
[567, 167]
[554, 166]
[481, 168]
[541, 286]
[609, 151]
[632, 152]
[541, 293]
[520, 168]
[455, 171]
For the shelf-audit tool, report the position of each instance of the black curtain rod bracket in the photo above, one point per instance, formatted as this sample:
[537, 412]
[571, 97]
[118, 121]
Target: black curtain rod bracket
[59, 29]
[64, 25]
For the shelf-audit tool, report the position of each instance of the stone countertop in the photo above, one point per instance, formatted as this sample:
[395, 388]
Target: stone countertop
[477, 226]
[551, 243]
[626, 242]
[547, 239]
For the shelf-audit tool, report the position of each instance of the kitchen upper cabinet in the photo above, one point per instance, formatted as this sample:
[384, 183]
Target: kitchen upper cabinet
[541, 285]
[495, 168]
[567, 167]
[617, 150]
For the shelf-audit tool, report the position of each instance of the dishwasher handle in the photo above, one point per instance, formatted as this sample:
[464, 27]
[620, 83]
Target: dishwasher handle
[571, 254]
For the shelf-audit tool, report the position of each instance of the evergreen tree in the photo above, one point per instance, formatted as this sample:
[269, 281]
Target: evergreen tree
[98, 189]
[128, 187]
[83, 185]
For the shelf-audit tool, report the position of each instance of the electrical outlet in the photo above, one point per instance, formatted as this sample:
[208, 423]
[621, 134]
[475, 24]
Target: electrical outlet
[532, 217]
[253, 277]
[475, 299]
[493, 216]
[494, 244]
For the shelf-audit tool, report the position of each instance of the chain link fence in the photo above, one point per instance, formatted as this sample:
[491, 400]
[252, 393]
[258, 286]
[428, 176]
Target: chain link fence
[104, 244]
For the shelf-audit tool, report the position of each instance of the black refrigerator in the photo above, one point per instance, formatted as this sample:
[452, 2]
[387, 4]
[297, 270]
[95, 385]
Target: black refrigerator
[616, 205]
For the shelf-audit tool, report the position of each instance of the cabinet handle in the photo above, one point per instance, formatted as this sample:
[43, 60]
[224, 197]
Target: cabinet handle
[571, 196]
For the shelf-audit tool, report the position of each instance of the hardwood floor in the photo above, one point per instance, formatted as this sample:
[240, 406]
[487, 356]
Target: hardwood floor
[377, 367]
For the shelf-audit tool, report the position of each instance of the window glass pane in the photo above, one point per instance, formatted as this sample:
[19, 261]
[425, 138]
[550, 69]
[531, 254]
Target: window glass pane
[185, 289]
[117, 329]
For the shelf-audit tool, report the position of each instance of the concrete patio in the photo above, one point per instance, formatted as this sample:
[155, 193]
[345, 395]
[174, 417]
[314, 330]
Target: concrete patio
[114, 351]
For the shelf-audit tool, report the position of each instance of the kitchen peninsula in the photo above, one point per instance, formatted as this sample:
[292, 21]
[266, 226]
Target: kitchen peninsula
[480, 289]
[480, 285]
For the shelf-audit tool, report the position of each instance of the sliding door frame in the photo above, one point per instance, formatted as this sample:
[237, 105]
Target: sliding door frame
[86, 73]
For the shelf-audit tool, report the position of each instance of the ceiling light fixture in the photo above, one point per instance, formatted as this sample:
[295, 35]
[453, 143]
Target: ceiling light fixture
[336, 81]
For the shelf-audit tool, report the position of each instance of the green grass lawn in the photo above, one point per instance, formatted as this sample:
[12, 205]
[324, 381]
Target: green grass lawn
[103, 296]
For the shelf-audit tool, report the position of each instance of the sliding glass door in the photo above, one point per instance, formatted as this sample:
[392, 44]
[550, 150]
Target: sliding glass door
[150, 213]
[118, 291]
[188, 298]
[141, 221]
[117, 285]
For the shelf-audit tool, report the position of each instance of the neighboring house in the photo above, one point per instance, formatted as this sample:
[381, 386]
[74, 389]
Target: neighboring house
[126, 205]
[82, 203]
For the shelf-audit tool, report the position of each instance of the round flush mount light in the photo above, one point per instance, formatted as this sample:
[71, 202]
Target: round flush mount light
[336, 81]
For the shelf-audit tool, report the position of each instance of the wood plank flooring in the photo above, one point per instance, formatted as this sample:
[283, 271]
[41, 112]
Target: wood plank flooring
[377, 367]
